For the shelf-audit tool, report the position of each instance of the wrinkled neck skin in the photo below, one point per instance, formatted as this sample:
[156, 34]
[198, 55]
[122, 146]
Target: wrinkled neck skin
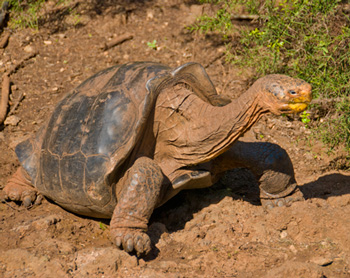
[190, 131]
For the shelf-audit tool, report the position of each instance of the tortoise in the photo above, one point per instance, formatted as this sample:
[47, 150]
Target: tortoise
[132, 136]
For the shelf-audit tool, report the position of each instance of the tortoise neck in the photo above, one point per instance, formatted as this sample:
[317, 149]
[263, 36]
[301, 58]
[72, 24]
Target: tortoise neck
[234, 119]
[190, 131]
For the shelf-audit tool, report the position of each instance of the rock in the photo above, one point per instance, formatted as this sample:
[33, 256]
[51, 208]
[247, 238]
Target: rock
[191, 13]
[12, 120]
[321, 261]
[46, 222]
[293, 249]
[283, 234]
[91, 261]
[28, 49]
[150, 15]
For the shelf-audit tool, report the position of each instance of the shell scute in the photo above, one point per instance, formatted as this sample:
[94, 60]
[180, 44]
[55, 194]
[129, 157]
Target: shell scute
[65, 131]
[110, 124]
[48, 181]
[95, 188]
[72, 169]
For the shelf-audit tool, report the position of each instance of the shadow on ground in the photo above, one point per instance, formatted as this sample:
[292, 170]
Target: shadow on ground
[179, 210]
[329, 185]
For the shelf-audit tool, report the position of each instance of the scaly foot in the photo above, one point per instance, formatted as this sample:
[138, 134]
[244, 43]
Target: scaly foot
[20, 189]
[295, 196]
[132, 239]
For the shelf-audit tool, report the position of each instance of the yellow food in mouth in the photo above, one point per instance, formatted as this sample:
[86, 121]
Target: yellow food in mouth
[298, 106]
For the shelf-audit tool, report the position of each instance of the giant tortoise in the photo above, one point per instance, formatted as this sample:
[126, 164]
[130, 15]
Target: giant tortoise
[132, 136]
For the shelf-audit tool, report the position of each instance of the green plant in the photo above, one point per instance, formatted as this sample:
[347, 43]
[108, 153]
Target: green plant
[25, 13]
[152, 45]
[305, 118]
[309, 39]
[102, 226]
[336, 130]
[75, 16]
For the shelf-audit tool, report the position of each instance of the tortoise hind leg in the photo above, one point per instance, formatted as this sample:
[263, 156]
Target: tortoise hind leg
[20, 189]
[139, 193]
[271, 166]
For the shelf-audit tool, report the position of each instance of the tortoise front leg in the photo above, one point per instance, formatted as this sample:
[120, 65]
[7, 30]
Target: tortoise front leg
[139, 193]
[271, 166]
[19, 188]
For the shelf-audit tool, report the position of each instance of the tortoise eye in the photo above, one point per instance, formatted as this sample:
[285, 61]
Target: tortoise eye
[292, 92]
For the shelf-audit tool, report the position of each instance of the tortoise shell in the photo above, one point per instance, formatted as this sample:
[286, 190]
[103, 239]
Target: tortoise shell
[93, 130]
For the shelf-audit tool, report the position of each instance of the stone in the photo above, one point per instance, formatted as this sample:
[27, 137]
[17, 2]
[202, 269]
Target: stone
[12, 120]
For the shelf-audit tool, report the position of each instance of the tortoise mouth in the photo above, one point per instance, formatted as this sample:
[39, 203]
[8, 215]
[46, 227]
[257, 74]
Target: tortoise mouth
[299, 104]
[298, 107]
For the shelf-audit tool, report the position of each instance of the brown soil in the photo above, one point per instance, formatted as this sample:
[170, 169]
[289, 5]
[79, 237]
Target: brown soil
[218, 232]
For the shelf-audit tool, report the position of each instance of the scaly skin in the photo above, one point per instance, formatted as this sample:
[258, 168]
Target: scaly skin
[139, 194]
[271, 166]
[20, 189]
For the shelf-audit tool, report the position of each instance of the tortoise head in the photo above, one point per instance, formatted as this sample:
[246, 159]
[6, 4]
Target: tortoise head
[284, 94]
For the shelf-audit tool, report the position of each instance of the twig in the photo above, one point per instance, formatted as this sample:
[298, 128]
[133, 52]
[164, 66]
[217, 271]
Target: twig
[5, 91]
[116, 41]
[20, 64]
[4, 40]
[244, 17]
[14, 107]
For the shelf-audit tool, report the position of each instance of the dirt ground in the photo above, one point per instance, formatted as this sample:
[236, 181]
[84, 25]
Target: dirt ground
[217, 232]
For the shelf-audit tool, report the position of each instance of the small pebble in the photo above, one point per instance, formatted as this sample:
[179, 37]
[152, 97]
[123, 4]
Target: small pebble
[47, 42]
[283, 234]
[321, 261]
[293, 249]
[150, 15]
[12, 120]
[28, 49]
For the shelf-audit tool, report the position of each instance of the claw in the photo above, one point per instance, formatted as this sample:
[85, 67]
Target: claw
[27, 201]
[269, 206]
[38, 199]
[129, 245]
[20, 189]
[295, 196]
[13, 196]
[132, 240]
[118, 242]
[139, 245]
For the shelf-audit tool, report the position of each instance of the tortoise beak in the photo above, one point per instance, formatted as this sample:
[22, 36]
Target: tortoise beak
[301, 101]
